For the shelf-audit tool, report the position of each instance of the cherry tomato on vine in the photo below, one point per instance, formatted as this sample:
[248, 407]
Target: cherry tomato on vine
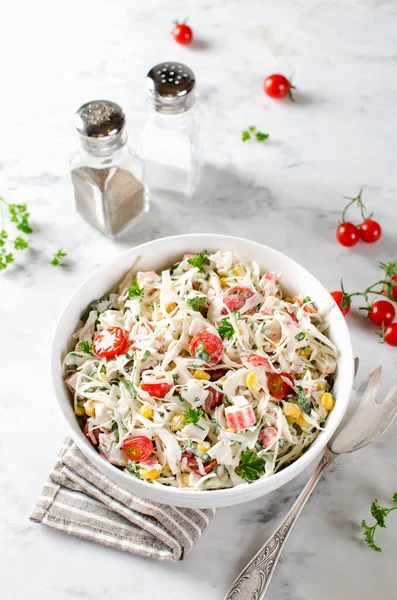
[382, 312]
[277, 86]
[370, 231]
[182, 33]
[277, 386]
[348, 234]
[207, 347]
[138, 447]
[391, 334]
[338, 296]
[110, 342]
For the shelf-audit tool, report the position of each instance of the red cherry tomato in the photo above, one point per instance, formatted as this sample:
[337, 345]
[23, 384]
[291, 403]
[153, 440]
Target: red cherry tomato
[337, 296]
[138, 448]
[206, 346]
[348, 234]
[382, 312]
[267, 436]
[157, 390]
[182, 33]
[370, 231]
[391, 334]
[277, 386]
[110, 342]
[235, 298]
[276, 86]
[209, 466]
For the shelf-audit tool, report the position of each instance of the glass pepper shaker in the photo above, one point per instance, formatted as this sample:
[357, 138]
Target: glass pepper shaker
[170, 138]
[107, 176]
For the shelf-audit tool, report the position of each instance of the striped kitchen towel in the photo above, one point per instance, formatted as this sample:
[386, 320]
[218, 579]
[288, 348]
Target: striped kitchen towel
[79, 500]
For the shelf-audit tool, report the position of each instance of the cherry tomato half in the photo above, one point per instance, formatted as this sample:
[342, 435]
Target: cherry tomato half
[382, 312]
[182, 33]
[277, 386]
[338, 296]
[391, 334]
[95, 431]
[235, 298]
[348, 234]
[110, 342]
[370, 231]
[157, 390]
[193, 465]
[207, 347]
[276, 86]
[138, 448]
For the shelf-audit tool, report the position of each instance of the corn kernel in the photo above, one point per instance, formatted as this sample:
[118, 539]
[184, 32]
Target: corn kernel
[203, 447]
[177, 422]
[171, 307]
[252, 382]
[292, 412]
[289, 300]
[102, 375]
[200, 374]
[157, 315]
[89, 408]
[185, 479]
[305, 352]
[230, 430]
[239, 271]
[319, 386]
[327, 401]
[301, 422]
[224, 281]
[149, 474]
[221, 381]
[79, 410]
[146, 412]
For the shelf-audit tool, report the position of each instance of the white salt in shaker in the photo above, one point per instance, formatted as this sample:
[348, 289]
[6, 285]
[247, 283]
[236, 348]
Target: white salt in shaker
[170, 138]
[107, 176]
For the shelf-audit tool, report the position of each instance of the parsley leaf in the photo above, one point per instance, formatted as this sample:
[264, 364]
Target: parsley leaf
[303, 400]
[261, 136]
[57, 258]
[226, 329]
[174, 267]
[251, 466]
[86, 347]
[115, 429]
[20, 243]
[17, 214]
[245, 135]
[134, 290]
[379, 513]
[300, 336]
[306, 300]
[134, 469]
[251, 133]
[175, 376]
[193, 415]
[197, 302]
[130, 386]
[199, 261]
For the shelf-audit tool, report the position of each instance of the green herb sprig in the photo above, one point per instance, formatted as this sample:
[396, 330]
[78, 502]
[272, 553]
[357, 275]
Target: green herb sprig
[134, 290]
[58, 257]
[193, 415]
[303, 400]
[19, 215]
[197, 302]
[226, 329]
[379, 513]
[251, 466]
[86, 347]
[252, 133]
[199, 261]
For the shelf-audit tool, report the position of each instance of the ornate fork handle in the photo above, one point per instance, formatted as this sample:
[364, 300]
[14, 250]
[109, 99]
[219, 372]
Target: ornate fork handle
[254, 580]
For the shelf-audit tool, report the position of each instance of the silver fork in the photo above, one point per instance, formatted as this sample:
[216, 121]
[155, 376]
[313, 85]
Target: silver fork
[363, 426]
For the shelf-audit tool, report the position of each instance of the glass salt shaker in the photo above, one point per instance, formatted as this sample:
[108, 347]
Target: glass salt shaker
[107, 175]
[170, 138]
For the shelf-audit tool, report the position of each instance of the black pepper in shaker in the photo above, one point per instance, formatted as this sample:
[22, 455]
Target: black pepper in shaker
[106, 174]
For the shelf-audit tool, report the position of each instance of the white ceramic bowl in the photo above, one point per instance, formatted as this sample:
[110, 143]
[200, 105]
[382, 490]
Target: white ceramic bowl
[161, 253]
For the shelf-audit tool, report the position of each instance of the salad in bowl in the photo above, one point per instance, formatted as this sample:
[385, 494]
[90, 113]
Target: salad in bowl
[202, 375]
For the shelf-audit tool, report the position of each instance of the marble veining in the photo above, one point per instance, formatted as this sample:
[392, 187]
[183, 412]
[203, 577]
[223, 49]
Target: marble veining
[286, 192]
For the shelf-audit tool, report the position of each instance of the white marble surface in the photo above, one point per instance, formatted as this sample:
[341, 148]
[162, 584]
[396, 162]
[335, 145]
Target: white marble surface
[338, 136]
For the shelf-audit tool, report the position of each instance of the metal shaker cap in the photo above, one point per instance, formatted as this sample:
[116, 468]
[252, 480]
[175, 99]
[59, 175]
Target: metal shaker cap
[170, 87]
[101, 126]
